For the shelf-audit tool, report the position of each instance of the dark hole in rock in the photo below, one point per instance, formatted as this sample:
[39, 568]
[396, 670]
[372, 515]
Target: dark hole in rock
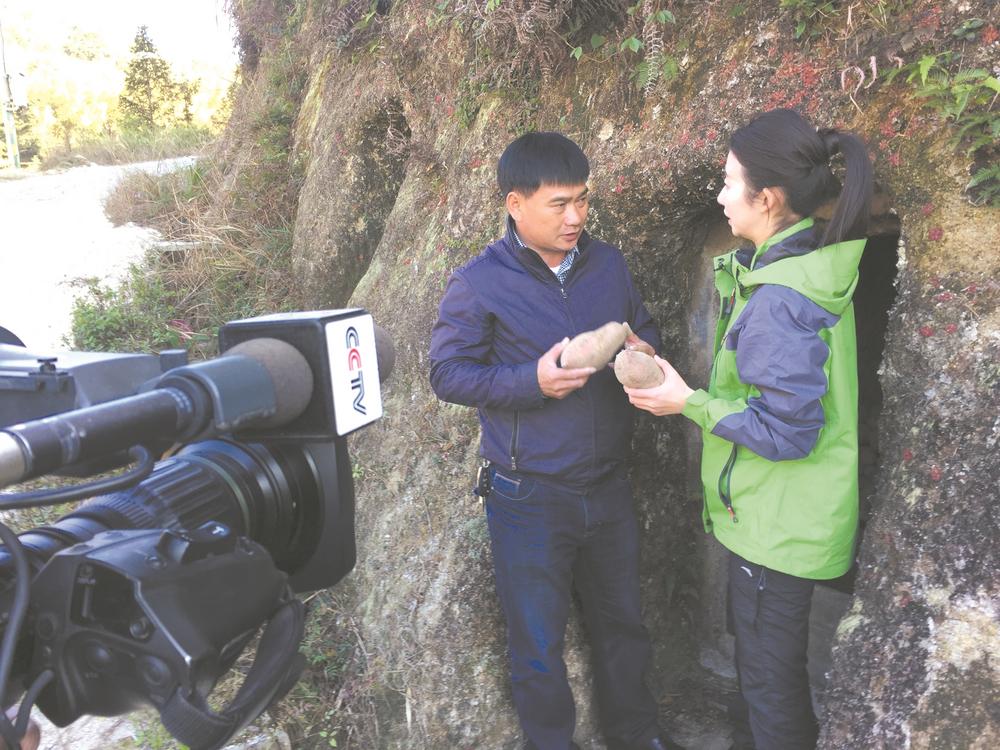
[873, 299]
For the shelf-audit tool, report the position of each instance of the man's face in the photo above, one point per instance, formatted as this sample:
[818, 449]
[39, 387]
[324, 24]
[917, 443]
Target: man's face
[551, 219]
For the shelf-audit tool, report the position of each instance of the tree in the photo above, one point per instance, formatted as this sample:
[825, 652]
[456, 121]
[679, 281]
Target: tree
[150, 94]
[84, 45]
[186, 91]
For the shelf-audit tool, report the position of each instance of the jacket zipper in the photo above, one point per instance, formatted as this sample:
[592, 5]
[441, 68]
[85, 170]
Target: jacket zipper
[513, 441]
[728, 304]
[726, 478]
[517, 416]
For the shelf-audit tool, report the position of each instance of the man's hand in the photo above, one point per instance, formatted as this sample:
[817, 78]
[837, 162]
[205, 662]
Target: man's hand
[633, 342]
[555, 381]
[667, 398]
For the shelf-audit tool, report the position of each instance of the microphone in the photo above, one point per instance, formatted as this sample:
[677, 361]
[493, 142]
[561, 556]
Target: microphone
[287, 377]
[289, 372]
[260, 383]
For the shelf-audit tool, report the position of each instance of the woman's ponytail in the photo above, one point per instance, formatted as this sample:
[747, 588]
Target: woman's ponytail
[781, 149]
[850, 216]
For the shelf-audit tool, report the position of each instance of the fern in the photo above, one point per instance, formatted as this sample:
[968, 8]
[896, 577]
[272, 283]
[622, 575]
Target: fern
[984, 187]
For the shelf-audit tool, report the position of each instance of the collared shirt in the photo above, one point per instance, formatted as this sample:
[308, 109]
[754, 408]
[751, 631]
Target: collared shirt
[567, 262]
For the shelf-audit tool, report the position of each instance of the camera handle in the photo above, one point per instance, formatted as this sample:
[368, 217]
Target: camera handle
[156, 616]
[276, 667]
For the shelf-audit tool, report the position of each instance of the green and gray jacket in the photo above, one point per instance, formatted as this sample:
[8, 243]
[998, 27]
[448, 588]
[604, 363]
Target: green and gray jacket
[780, 416]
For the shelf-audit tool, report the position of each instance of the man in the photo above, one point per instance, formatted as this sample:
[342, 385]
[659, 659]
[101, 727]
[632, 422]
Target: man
[554, 442]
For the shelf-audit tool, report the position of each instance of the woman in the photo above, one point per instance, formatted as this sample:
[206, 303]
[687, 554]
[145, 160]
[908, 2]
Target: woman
[779, 415]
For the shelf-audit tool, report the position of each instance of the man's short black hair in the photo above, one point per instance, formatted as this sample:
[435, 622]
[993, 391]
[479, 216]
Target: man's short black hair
[537, 159]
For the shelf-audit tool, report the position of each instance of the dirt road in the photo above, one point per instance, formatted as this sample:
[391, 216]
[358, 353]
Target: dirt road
[52, 231]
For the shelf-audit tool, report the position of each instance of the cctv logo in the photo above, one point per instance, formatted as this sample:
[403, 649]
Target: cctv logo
[354, 363]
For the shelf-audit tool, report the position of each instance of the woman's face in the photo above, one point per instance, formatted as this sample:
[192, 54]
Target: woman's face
[748, 216]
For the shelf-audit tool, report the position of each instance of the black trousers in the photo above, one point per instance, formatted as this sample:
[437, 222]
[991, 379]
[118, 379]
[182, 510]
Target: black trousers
[769, 615]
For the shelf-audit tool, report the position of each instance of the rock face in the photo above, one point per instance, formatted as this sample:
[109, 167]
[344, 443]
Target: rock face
[404, 111]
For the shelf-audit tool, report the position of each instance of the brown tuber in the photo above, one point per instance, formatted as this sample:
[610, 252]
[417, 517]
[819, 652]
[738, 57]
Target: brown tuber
[635, 369]
[594, 348]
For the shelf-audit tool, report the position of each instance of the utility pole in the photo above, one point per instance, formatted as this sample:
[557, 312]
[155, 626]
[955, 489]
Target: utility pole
[9, 126]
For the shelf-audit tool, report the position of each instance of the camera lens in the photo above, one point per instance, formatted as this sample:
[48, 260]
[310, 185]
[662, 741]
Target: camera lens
[268, 493]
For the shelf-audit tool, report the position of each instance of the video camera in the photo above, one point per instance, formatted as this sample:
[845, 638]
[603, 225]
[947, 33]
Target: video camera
[147, 593]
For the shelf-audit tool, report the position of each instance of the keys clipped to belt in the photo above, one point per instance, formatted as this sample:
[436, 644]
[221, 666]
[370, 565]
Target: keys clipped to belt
[483, 484]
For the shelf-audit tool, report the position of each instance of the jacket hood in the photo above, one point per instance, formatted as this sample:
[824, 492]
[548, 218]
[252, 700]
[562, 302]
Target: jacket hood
[827, 275]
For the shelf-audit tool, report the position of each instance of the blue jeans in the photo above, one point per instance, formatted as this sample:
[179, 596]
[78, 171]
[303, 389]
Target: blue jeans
[546, 541]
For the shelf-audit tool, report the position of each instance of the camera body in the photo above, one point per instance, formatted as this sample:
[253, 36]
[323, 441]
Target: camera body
[148, 594]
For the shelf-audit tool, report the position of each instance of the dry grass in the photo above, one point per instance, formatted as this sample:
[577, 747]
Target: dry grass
[164, 202]
[129, 147]
[222, 261]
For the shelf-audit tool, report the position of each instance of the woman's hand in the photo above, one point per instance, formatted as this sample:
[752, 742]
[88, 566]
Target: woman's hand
[667, 398]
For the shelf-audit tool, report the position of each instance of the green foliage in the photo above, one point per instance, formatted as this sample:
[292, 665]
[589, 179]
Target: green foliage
[467, 106]
[84, 45]
[646, 71]
[179, 297]
[968, 99]
[73, 79]
[653, 64]
[164, 202]
[367, 16]
[27, 139]
[812, 18]
[151, 735]
[807, 13]
[150, 94]
[332, 658]
[969, 29]
[132, 317]
[985, 186]
[129, 146]
[630, 43]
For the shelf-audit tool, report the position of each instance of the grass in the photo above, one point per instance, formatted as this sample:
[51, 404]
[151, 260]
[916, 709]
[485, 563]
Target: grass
[165, 202]
[130, 146]
[332, 703]
[217, 267]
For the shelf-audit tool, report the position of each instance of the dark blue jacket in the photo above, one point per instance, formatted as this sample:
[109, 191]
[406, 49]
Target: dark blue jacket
[500, 313]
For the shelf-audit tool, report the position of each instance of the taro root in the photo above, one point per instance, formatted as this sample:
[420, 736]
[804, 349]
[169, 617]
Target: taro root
[635, 369]
[594, 348]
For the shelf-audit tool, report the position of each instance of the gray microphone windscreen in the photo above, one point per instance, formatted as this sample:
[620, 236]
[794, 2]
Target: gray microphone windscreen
[290, 373]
